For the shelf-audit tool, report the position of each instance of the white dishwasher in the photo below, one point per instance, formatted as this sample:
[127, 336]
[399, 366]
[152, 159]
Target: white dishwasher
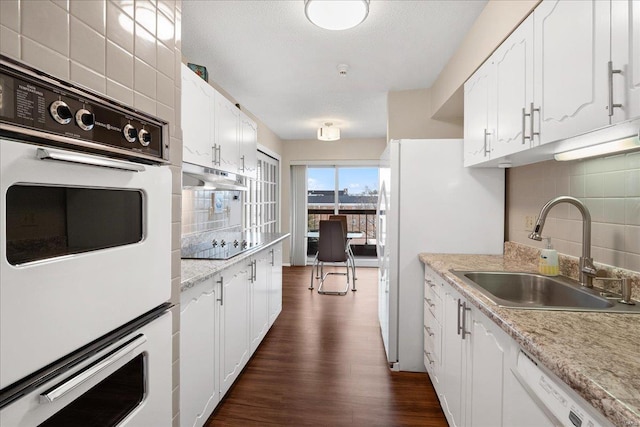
[560, 405]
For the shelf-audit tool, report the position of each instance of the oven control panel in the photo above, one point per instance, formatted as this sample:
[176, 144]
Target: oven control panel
[43, 110]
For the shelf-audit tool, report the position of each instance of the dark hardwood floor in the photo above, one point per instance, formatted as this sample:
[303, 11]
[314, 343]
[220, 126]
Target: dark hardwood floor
[323, 363]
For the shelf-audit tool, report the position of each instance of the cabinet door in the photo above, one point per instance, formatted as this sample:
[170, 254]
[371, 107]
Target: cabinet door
[452, 361]
[260, 298]
[478, 114]
[198, 381]
[197, 119]
[571, 56]
[248, 146]
[625, 56]
[275, 285]
[513, 91]
[234, 324]
[227, 117]
[485, 372]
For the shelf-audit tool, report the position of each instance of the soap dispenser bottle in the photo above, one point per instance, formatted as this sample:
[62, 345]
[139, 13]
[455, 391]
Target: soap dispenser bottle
[548, 263]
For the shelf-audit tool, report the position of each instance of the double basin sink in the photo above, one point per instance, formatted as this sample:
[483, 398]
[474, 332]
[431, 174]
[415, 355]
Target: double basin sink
[534, 291]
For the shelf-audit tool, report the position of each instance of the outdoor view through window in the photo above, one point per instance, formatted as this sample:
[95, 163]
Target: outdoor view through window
[350, 191]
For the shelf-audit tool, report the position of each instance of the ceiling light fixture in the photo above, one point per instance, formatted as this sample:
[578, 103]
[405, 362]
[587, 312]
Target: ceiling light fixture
[336, 14]
[328, 132]
[611, 147]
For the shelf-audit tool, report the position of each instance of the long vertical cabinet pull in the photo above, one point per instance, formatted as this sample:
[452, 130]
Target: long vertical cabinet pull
[524, 125]
[611, 72]
[243, 168]
[273, 262]
[459, 320]
[255, 269]
[464, 332]
[462, 318]
[532, 133]
[251, 273]
[221, 299]
[486, 150]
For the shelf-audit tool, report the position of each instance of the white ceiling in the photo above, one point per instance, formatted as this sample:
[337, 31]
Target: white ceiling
[283, 69]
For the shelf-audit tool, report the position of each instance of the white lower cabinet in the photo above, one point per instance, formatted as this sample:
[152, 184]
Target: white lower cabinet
[234, 324]
[222, 322]
[275, 283]
[198, 337]
[470, 360]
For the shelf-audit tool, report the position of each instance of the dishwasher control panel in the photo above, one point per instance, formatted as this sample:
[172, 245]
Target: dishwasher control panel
[562, 405]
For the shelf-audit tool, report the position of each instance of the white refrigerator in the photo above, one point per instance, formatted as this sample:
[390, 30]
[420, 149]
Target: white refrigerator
[428, 202]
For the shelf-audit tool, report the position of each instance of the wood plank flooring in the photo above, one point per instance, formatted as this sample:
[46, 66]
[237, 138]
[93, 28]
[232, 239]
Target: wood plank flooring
[323, 364]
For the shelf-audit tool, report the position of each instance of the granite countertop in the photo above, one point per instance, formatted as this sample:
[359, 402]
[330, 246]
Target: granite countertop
[596, 354]
[194, 271]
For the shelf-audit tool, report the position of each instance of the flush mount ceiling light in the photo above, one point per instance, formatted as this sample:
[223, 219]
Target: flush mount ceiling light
[336, 14]
[328, 133]
[611, 147]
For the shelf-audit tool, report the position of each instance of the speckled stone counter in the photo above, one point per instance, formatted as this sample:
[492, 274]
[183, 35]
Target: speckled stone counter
[195, 271]
[596, 354]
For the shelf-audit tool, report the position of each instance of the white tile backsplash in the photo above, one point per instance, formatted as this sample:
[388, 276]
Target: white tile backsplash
[120, 27]
[47, 23]
[119, 92]
[144, 103]
[144, 79]
[145, 45]
[120, 65]
[165, 60]
[87, 46]
[145, 15]
[44, 58]
[87, 77]
[9, 42]
[10, 14]
[91, 12]
[609, 187]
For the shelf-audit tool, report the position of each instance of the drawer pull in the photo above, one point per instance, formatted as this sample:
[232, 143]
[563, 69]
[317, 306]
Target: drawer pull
[431, 361]
[430, 303]
[429, 331]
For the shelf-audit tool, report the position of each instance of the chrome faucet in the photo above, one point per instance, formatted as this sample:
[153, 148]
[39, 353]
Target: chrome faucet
[587, 270]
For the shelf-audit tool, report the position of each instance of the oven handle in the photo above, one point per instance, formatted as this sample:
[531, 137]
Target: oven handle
[67, 386]
[88, 160]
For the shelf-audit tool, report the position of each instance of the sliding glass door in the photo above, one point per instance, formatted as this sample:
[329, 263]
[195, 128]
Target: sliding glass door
[344, 190]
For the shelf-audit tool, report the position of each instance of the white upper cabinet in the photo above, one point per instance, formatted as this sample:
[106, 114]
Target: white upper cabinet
[216, 134]
[625, 56]
[513, 68]
[227, 117]
[197, 123]
[479, 99]
[571, 67]
[248, 141]
[571, 58]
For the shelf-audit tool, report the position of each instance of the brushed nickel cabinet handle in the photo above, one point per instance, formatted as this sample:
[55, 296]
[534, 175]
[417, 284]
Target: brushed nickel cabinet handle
[611, 72]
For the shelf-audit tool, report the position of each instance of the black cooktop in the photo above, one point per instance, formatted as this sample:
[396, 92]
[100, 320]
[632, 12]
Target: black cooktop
[218, 249]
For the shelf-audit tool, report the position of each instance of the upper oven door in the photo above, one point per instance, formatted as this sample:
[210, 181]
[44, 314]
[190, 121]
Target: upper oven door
[84, 248]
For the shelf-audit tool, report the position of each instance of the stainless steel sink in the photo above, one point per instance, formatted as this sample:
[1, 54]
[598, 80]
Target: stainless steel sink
[534, 291]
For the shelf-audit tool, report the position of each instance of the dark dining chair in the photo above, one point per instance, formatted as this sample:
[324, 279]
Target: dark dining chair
[331, 248]
[352, 258]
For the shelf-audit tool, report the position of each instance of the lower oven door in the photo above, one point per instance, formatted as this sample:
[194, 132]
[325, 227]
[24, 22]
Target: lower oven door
[84, 248]
[127, 383]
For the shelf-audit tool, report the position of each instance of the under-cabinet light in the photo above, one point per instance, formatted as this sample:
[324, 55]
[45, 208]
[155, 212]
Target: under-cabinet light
[611, 147]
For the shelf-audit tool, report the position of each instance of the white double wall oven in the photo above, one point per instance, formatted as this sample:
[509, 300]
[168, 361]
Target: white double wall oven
[84, 257]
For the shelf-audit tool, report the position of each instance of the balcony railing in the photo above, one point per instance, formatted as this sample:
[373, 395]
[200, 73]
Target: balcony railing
[358, 220]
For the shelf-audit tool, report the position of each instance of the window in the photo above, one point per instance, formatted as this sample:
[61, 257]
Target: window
[261, 199]
[351, 191]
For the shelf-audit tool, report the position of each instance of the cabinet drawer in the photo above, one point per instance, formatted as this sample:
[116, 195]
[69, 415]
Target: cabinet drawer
[433, 304]
[432, 283]
[431, 348]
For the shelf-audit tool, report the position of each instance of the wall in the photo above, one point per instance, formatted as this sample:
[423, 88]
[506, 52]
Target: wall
[131, 54]
[409, 116]
[496, 21]
[301, 151]
[610, 187]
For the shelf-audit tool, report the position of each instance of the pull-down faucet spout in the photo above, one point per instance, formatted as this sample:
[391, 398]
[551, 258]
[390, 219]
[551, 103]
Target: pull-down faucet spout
[587, 269]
